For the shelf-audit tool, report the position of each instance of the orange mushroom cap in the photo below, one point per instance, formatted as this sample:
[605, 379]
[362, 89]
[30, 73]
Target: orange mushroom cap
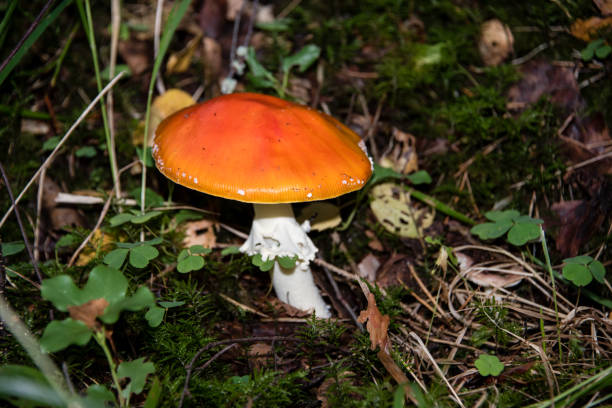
[260, 149]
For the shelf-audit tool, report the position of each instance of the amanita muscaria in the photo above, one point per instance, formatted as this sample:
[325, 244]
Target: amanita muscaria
[270, 152]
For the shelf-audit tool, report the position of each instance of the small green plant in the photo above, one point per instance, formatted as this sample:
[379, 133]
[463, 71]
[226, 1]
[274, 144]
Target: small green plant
[520, 228]
[488, 365]
[596, 48]
[261, 78]
[287, 262]
[97, 304]
[190, 259]
[580, 270]
[140, 253]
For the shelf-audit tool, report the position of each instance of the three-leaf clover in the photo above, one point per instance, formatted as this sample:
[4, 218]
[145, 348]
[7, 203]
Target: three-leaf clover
[597, 48]
[191, 259]
[581, 270]
[488, 365]
[140, 253]
[103, 297]
[520, 228]
[134, 217]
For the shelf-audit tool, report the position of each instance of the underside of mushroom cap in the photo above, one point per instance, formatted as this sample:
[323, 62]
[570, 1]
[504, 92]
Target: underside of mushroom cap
[260, 149]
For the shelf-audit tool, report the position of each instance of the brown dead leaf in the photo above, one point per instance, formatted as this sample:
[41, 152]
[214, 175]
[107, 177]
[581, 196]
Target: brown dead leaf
[62, 217]
[605, 6]
[368, 267]
[258, 353]
[98, 242]
[402, 157]
[541, 78]
[136, 54]
[50, 190]
[287, 309]
[586, 138]
[484, 278]
[586, 30]
[180, 61]
[373, 242]
[201, 232]
[377, 325]
[88, 312]
[496, 42]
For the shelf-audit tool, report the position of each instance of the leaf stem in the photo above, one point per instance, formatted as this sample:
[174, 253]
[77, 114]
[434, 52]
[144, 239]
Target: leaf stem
[552, 280]
[100, 337]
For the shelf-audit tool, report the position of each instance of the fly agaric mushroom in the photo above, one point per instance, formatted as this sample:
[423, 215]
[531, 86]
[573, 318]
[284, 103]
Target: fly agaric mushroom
[270, 152]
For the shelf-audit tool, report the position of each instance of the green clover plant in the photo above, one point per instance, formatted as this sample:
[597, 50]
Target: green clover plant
[580, 270]
[520, 228]
[190, 259]
[488, 365]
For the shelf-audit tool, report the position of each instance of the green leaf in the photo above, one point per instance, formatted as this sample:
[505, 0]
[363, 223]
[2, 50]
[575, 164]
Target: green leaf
[603, 51]
[66, 241]
[141, 219]
[382, 173]
[598, 271]
[230, 251]
[520, 234]
[51, 143]
[491, 230]
[86, 151]
[105, 282]
[578, 274]
[116, 257]
[137, 371]
[141, 255]
[190, 263]
[155, 315]
[398, 396]
[302, 59]
[27, 383]
[98, 396]
[264, 266]
[525, 219]
[277, 25]
[182, 255]
[199, 249]
[169, 305]
[62, 292]
[120, 219]
[287, 262]
[257, 70]
[419, 177]
[141, 299]
[154, 394]
[12, 248]
[581, 259]
[507, 215]
[60, 334]
[187, 215]
[152, 199]
[488, 365]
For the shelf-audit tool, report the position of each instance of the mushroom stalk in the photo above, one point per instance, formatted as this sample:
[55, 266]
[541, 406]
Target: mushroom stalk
[276, 233]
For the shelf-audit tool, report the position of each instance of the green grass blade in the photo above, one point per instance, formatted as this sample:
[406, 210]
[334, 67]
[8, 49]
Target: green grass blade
[45, 22]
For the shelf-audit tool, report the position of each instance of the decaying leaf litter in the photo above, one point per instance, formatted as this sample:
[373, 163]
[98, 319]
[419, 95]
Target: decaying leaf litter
[471, 270]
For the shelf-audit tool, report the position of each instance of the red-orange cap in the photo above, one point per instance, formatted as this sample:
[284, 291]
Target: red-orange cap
[260, 149]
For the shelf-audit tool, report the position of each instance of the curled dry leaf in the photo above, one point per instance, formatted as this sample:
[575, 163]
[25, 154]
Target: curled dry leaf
[180, 61]
[368, 267]
[496, 42]
[321, 216]
[401, 155]
[587, 29]
[88, 312]
[377, 325]
[484, 278]
[392, 207]
[201, 232]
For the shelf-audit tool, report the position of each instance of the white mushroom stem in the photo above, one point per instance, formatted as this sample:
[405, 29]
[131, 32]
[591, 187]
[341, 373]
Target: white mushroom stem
[276, 233]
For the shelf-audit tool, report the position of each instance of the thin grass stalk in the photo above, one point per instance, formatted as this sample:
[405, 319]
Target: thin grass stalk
[552, 283]
[87, 20]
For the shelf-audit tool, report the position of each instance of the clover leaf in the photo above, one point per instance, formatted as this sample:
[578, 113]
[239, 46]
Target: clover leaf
[580, 270]
[137, 371]
[488, 365]
[190, 259]
[520, 228]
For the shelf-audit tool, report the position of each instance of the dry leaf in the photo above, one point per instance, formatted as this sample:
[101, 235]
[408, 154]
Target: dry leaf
[377, 325]
[65, 217]
[179, 62]
[373, 242]
[201, 232]
[605, 6]
[321, 216]
[586, 30]
[257, 354]
[393, 209]
[88, 312]
[98, 241]
[484, 278]
[136, 54]
[368, 267]
[496, 42]
[402, 157]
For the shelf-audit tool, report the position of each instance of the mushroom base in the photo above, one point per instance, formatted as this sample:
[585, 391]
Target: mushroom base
[276, 233]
